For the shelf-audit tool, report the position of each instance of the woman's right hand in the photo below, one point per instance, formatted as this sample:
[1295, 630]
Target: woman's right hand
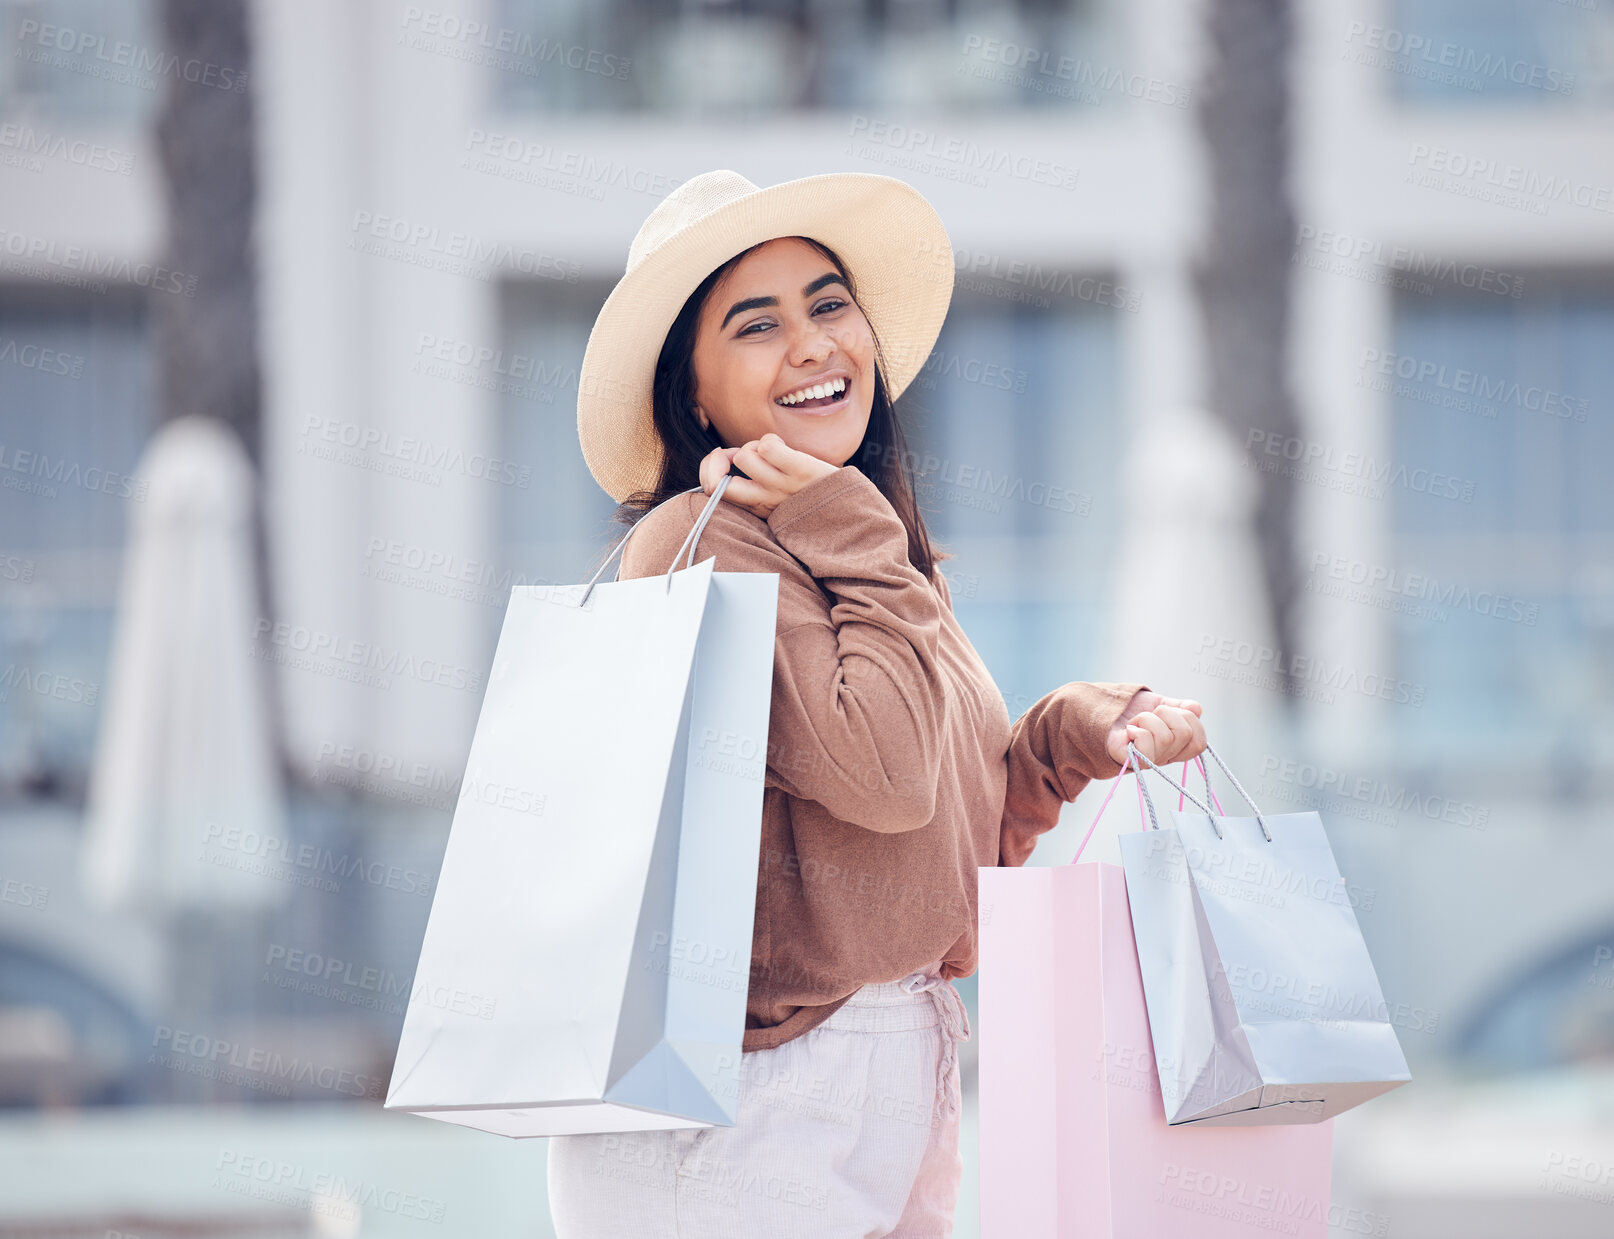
[774, 471]
[1165, 729]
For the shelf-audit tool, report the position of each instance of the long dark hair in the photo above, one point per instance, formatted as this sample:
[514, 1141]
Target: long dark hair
[883, 455]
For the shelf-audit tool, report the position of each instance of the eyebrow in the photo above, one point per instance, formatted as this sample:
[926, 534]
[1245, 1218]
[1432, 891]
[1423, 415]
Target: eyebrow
[756, 303]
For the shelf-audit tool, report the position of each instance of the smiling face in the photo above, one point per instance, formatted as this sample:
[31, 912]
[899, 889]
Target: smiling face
[780, 323]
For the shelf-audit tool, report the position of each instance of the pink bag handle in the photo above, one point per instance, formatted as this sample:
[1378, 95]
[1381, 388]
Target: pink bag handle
[1210, 792]
[1129, 764]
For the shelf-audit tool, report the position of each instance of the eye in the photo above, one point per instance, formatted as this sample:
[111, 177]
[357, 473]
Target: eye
[828, 306]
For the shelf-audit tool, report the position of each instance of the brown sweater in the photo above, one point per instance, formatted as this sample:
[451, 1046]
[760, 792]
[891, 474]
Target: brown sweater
[893, 771]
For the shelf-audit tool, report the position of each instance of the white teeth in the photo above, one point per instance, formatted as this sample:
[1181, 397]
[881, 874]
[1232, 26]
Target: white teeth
[816, 392]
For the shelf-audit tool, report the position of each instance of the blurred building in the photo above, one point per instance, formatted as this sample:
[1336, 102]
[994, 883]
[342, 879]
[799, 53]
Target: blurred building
[448, 194]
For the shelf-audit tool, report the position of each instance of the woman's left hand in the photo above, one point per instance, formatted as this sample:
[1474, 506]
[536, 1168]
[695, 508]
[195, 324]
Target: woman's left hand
[1165, 729]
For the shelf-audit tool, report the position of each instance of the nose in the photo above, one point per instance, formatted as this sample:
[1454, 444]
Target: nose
[811, 343]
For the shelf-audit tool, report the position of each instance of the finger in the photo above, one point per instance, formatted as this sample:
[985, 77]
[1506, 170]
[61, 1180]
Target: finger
[1197, 742]
[1182, 703]
[749, 494]
[713, 466]
[1180, 726]
[1117, 741]
[1149, 732]
[753, 459]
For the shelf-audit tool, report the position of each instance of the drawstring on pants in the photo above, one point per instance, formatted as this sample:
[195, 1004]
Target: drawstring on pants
[954, 1021]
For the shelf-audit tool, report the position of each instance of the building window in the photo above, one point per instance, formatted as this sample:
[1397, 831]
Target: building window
[1466, 53]
[746, 57]
[81, 63]
[1502, 599]
[75, 413]
[1015, 422]
[553, 530]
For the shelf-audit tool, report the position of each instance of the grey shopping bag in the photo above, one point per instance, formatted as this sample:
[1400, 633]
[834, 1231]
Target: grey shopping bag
[1263, 1004]
[587, 954]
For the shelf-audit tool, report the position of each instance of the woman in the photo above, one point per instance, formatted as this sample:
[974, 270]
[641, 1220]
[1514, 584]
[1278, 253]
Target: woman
[763, 334]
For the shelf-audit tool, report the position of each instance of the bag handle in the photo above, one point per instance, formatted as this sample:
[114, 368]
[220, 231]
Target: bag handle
[1260, 820]
[1146, 802]
[1210, 793]
[1144, 799]
[690, 540]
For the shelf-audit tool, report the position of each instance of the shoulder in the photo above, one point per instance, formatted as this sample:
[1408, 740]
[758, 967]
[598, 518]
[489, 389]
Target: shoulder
[740, 540]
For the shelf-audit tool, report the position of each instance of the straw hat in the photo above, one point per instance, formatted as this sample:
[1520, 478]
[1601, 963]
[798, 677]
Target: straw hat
[890, 238]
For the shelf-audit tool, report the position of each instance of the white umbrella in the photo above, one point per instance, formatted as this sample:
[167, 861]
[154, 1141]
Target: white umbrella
[1188, 617]
[184, 802]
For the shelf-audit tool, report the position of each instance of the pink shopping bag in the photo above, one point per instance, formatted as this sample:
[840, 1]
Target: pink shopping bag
[1073, 1135]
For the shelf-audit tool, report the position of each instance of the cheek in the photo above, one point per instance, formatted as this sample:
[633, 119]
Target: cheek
[857, 339]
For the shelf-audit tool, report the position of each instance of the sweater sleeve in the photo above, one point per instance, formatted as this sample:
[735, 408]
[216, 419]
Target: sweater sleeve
[1055, 748]
[859, 698]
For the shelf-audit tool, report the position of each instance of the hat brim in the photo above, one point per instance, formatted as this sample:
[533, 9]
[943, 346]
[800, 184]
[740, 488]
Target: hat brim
[889, 237]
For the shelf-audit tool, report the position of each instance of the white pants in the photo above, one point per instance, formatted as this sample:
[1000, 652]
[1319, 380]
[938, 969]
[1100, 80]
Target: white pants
[849, 1131]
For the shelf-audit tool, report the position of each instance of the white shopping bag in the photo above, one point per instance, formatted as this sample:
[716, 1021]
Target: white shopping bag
[587, 955]
[1263, 1003]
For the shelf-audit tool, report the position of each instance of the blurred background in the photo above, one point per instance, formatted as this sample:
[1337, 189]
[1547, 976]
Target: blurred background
[1279, 374]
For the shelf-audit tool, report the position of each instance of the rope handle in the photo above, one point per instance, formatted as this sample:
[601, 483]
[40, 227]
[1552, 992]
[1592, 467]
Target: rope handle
[1146, 802]
[690, 540]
